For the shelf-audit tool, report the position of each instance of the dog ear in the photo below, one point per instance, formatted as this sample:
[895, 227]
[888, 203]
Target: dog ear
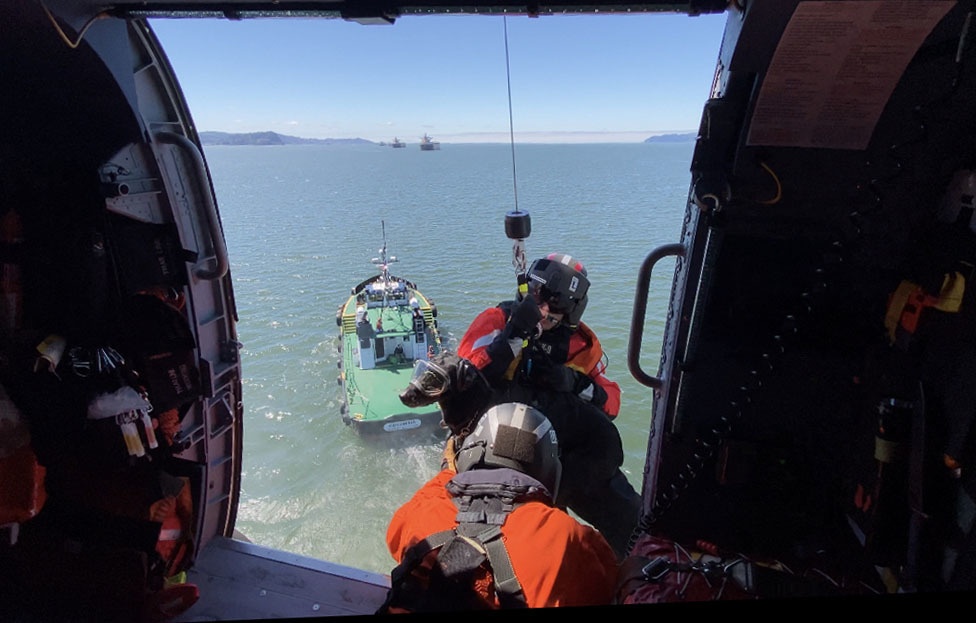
[467, 376]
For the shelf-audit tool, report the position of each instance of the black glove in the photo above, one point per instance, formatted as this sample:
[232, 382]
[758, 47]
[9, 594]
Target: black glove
[524, 319]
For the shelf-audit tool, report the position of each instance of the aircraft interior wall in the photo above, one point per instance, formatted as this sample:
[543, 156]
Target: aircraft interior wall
[782, 382]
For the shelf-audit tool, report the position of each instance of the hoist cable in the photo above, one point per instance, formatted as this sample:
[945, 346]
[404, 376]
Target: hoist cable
[511, 124]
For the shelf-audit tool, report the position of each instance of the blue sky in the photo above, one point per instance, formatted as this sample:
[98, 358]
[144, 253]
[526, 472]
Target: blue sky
[574, 78]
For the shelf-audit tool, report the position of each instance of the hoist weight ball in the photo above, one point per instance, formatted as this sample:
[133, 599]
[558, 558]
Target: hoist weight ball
[518, 225]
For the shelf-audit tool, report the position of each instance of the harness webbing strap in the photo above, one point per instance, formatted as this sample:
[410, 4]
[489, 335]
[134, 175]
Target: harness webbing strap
[501, 564]
[491, 511]
[416, 553]
[472, 517]
[411, 559]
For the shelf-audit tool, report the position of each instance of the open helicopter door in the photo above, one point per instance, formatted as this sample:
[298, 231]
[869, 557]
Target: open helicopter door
[119, 344]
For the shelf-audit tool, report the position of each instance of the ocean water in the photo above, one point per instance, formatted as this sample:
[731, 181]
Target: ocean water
[302, 223]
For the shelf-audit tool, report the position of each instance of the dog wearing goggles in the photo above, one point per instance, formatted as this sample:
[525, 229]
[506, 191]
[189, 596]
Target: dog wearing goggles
[463, 394]
[455, 384]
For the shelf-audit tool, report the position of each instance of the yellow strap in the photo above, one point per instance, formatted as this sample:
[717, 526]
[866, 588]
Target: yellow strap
[896, 305]
[949, 299]
[888, 451]
[449, 456]
[950, 296]
[513, 367]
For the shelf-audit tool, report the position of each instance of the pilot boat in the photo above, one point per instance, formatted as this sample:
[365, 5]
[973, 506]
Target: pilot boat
[385, 326]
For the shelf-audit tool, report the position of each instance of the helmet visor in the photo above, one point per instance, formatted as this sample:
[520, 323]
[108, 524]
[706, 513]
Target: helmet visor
[430, 379]
[543, 294]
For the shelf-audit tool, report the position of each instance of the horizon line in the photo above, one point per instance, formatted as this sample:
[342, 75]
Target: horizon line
[540, 136]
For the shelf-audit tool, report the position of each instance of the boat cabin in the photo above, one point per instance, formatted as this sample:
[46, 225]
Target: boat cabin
[389, 292]
[404, 337]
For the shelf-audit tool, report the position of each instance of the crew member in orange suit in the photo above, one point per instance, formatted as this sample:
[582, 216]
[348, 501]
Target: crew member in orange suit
[541, 339]
[526, 551]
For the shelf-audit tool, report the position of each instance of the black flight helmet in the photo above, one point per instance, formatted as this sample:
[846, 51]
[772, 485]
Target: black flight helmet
[560, 281]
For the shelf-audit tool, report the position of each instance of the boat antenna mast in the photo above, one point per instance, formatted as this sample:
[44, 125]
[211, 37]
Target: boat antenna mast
[384, 263]
[518, 224]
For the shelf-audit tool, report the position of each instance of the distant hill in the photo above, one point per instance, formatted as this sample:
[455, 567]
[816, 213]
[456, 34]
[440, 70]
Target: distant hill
[672, 138]
[273, 138]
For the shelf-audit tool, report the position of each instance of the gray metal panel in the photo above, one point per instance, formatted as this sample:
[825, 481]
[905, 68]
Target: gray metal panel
[243, 581]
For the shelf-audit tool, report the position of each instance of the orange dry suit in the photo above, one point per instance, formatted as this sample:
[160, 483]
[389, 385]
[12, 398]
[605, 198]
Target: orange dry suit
[538, 555]
[579, 349]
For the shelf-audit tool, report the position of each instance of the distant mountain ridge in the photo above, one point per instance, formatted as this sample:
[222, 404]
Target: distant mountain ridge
[672, 138]
[273, 138]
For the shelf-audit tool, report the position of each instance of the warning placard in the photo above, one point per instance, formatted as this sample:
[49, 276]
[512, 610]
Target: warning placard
[834, 69]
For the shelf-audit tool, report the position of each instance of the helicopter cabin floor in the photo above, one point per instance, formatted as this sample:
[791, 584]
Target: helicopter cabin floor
[239, 580]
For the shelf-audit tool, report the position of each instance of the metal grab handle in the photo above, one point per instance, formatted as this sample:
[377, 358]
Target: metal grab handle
[210, 207]
[640, 309]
